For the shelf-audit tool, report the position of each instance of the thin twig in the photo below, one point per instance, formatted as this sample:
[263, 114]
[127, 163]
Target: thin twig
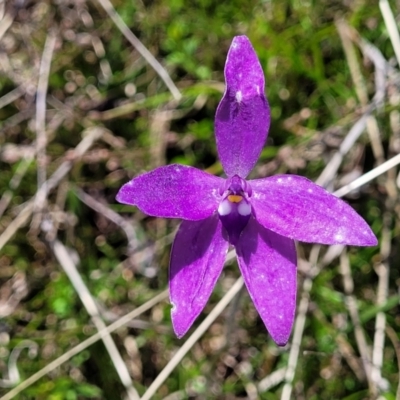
[194, 337]
[5, 23]
[380, 322]
[41, 139]
[382, 68]
[325, 177]
[273, 379]
[90, 135]
[299, 324]
[298, 330]
[361, 90]
[347, 351]
[392, 334]
[112, 216]
[24, 165]
[13, 373]
[351, 304]
[15, 181]
[333, 165]
[85, 344]
[137, 44]
[12, 96]
[369, 176]
[41, 94]
[69, 267]
[17, 118]
[391, 26]
[383, 272]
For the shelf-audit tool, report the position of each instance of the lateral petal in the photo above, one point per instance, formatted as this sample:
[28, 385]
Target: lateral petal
[295, 207]
[174, 191]
[268, 265]
[197, 258]
[243, 115]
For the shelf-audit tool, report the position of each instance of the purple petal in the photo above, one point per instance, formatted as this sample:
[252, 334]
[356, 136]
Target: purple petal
[295, 207]
[243, 116]
[197, 259]
[268, 265]
[174, 191]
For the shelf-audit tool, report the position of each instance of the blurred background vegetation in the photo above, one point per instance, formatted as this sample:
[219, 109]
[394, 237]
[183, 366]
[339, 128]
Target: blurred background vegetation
[82, 112]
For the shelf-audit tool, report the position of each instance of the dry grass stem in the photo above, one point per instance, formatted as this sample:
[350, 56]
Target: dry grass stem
[324, 179]
[89, 137]
[85, 344]
[299, 324]
[369, 176]
[112, 216]
[69, 267]
[361, 90]
[351, 303]
[273, 379]
[391, 26]
[382, 271]
[5, 23]
[41, 95]
[13, 374]
[333, 165]
[40, 122]
[11, 96]
[352, 359]
[137, 44]
[14, 183]
[194, 337]
[392, 334]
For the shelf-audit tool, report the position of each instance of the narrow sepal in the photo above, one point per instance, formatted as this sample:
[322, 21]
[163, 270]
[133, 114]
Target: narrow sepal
[295, 207]
[243, 115]
[174, 191]
[197, 258]
[268, 265]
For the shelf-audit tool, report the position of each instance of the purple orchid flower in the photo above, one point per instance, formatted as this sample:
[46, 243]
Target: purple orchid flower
[260, 218]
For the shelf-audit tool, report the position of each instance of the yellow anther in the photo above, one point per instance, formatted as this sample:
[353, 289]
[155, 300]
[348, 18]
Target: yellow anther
[234, 198]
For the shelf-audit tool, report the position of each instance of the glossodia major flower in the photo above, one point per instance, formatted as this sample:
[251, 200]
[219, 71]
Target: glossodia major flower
[261, 218]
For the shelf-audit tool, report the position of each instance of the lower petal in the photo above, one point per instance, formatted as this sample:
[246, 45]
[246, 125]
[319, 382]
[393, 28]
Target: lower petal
[197, 258]
[268, 265]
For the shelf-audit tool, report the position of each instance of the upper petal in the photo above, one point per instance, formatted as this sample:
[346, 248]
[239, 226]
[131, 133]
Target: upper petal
[243, 115]
[268, 265]
[197, 258]
[294, 206]
[174, 191]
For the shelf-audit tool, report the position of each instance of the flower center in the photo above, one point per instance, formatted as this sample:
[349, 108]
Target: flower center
[235, 208]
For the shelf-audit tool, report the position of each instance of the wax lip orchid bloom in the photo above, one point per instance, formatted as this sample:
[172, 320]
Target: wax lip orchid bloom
[260, 218]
